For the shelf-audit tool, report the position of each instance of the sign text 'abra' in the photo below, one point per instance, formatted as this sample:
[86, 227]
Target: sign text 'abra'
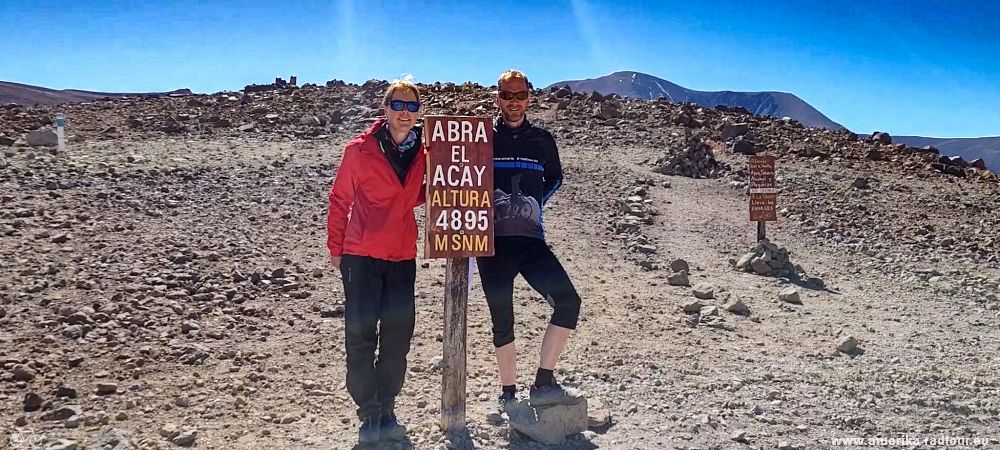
[464, 131]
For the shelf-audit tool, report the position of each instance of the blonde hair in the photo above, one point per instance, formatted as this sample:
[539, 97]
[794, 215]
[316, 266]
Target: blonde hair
[404, 83]
[513, 74]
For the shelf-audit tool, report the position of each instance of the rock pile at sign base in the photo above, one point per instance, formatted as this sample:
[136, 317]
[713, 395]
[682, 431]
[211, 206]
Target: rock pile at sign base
[767, 259]
[550, 424]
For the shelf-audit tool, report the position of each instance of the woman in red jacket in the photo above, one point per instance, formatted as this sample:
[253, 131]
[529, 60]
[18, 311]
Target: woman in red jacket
[372, 237]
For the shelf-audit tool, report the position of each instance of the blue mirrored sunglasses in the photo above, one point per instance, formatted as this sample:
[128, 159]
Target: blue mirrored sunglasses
[397, 105]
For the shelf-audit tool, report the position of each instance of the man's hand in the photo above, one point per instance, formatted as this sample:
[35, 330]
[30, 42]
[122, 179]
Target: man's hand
[335, 260]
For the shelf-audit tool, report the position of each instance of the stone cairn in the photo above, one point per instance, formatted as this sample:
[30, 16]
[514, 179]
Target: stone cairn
[766, 259]
[691, 157]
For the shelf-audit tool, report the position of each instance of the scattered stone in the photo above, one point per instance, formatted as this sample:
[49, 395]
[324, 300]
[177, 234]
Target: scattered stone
[63, 444]
[112, 439]
[693, 306]
[646, 249]
[185, 439]
[62, 413]
[680, 265]
[435, 363]
[32, 402]
[679, 279]
[22, 373]
[107, 388]
[332, 311]
[790, 295]
[169, 431]
[704, 291]
[740, 436]
[736, 306]
[709, 311]
[848, 345]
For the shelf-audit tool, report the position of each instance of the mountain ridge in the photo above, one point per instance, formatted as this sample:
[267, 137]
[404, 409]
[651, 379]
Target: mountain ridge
[29, 95]
[640, 85]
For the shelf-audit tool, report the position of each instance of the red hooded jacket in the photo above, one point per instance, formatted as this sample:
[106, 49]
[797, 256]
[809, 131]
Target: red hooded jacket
[371, 212]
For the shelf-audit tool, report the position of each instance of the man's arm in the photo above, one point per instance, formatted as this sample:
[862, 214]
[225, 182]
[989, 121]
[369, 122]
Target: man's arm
[553, 175]
[341, 200]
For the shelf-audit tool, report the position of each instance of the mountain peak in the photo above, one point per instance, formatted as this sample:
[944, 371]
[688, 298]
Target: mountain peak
[640, 85]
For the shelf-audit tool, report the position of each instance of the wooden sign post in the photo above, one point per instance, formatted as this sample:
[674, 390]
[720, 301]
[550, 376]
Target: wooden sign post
[763, 193]
[459, 226]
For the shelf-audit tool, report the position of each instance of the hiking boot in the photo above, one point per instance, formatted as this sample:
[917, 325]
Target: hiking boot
[369, 431]
[506, 402]
[554, 394]
[391, 428]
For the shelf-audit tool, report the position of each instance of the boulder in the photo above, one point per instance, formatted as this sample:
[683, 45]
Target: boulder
[606, 111]
[42, 137]
[733, 130]
[549, 425]
[882, 137]
[743, 147]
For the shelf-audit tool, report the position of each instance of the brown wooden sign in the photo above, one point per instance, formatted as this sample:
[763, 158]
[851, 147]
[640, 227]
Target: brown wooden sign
[459, 186]
[763, 189]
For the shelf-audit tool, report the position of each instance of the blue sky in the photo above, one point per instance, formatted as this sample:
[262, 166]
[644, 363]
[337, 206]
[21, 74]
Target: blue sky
[928, 68]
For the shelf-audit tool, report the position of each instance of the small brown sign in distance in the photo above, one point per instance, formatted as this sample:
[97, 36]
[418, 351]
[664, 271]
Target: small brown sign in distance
[459, 186]
[763, 189]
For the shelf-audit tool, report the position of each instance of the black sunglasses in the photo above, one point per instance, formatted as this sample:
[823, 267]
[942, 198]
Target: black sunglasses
[520, 95]
[397, 105]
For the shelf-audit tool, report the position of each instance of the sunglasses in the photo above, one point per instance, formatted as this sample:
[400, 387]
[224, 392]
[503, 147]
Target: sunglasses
[398, 105]
[520, 95]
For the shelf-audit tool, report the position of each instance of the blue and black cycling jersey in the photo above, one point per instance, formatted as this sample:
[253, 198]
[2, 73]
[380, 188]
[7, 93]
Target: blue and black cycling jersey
[526, 172]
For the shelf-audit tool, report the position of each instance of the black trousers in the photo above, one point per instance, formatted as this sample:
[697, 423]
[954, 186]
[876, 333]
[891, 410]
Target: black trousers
[378, 313]
[531, 258]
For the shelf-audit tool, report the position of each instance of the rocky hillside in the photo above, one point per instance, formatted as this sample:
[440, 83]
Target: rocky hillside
[164, 282]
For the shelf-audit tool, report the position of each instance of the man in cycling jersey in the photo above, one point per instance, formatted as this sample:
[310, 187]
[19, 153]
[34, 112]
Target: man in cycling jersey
[526, 172]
